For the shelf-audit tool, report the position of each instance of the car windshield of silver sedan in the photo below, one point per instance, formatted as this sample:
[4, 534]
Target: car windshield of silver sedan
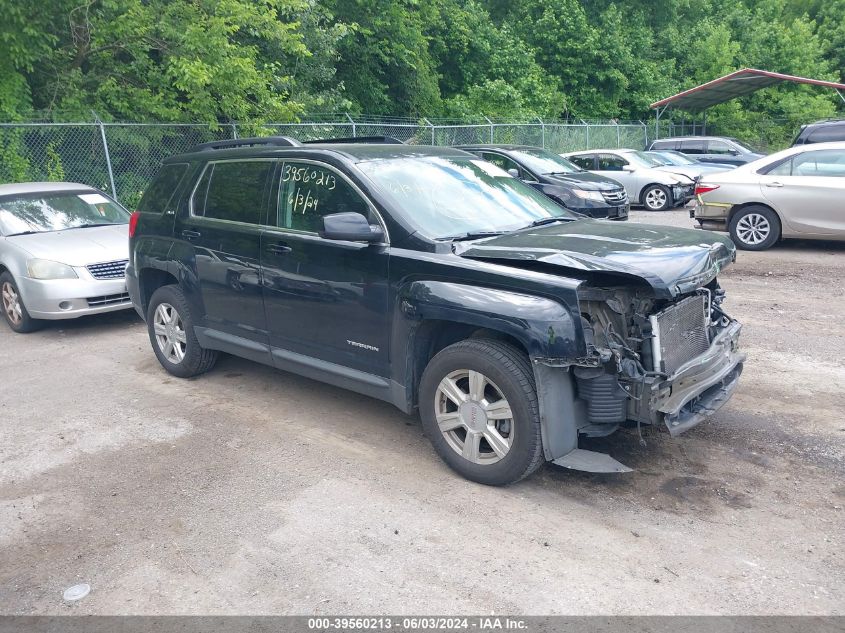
[641, 159]
[446, 197]
[542, 161]
[58, 211]
[675, 158]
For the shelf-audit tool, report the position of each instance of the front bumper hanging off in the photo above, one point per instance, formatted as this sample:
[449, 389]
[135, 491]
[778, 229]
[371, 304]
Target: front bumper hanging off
[701, 386]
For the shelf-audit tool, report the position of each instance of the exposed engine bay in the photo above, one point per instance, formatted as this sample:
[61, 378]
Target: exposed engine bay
[651, 361]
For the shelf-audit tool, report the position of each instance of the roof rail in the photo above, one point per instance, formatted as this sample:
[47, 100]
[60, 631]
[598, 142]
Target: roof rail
[281, 141]
[372, 140]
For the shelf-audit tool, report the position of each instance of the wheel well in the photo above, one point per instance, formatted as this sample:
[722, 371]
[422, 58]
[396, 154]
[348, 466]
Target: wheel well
[739, 207]
[433, 336]
[150, 280]
[651, 184]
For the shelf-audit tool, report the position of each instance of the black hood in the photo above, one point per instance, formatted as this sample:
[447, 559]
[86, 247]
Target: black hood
[670, 260]
[582, 180]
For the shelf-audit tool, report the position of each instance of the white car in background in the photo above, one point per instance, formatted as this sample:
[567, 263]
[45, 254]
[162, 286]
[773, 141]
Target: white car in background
[644, 180]
[63, 253]
[799, 192]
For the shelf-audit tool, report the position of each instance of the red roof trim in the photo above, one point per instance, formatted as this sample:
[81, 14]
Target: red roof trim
[749, 73]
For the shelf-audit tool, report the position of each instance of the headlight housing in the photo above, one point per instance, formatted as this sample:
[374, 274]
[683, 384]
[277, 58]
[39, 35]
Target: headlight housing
[46, 269]
[595, 196]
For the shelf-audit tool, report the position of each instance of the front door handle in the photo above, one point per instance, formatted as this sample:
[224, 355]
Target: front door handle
[278, 248]
[188, 234]
[774, 184]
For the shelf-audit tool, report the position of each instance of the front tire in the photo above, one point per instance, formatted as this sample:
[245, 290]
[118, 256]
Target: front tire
[171, 329]
[14, 310]
[754, 228]
[656, 198]
[479, 409]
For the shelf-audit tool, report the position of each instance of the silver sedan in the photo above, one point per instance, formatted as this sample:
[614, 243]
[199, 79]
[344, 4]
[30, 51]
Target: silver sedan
[63, 253]
[796, 193]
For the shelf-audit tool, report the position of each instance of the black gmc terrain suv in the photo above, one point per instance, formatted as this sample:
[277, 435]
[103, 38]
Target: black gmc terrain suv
[429, 278]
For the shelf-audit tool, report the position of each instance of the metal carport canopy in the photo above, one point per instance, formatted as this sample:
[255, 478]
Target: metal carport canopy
[735, 84]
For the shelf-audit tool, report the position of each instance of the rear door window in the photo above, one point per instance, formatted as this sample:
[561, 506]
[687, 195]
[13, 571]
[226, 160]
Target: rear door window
[160, 196]
[233, 191]
[664, 145]
[585, 161]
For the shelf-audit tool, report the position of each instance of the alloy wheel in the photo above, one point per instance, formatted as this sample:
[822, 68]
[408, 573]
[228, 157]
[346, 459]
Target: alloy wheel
[11, 304]
[655, 198]
[753, 229]
[474, 416]
[170, 333]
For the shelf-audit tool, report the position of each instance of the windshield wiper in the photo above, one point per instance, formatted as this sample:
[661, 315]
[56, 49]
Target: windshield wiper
[25, 233]
[473, 235]
[91, 225]
[545, 221]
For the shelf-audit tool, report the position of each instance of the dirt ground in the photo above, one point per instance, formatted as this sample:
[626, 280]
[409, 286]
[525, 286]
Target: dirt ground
[249, 490]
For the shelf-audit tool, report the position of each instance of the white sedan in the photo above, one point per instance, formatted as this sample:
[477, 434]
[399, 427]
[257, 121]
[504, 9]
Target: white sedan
[643, 178]
[798, 192]
[63, 253]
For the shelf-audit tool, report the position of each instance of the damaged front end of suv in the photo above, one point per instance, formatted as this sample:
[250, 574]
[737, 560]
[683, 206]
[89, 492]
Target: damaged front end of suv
[653, 361]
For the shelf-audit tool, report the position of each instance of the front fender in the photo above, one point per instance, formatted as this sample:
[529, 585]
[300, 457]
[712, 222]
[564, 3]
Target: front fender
[543, 326]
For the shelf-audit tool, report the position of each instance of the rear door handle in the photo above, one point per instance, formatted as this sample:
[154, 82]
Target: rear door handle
[774, 184]
[191, 235]
[278, 248]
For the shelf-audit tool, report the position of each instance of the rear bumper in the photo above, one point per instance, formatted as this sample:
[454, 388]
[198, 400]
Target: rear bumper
[703, 385]
[54, 299]
[134, 290]
[712, 216]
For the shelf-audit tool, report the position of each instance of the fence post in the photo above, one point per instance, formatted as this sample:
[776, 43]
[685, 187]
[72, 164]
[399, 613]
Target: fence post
[106, 151]
[234, 131]
[618, 140]
[586, 133]
[542, 132]
[645, 134]
[431, 125]
[354, 131]
[491, 129]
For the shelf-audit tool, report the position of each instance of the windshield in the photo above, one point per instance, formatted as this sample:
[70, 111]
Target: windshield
[743, 145]
[642, 159]
[676, 158]
[55, 211]
[542, 161]
[660, 158]
[450, 196]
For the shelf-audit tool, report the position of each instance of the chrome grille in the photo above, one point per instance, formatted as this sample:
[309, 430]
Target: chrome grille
[109, 270]
[614, 197]
[108, 300]
[680, 333]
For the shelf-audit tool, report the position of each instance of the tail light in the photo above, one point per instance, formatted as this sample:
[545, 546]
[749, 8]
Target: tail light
[703, 187]
[133, 222]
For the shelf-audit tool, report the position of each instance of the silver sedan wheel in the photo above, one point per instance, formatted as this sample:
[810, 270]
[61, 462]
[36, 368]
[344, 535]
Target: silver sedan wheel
[655, 198]
[11, 304]
[170, 333]
[753, 229]
[474, 416]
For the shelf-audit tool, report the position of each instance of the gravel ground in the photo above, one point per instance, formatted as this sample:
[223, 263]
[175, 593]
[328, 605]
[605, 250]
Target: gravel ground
[255, 491]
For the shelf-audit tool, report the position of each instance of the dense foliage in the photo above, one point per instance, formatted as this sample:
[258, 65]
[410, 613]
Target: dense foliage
[259, 60]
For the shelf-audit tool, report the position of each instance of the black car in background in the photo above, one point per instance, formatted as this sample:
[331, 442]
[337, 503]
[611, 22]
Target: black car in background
[564, 182]
[821, 132]
[709, 149]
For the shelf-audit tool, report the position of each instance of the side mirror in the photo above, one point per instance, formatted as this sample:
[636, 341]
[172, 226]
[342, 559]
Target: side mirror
[350, 227]
[514, 172]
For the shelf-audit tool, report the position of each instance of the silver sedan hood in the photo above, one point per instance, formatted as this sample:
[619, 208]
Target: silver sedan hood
[77, 247]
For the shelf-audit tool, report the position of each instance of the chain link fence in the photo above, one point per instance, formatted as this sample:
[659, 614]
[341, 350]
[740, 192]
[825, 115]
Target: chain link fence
[122, 158]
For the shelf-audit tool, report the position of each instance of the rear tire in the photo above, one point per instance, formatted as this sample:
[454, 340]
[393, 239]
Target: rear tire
[479, 409]
[656, 198]
[14, 310]
[171, 329]
[754, 228]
